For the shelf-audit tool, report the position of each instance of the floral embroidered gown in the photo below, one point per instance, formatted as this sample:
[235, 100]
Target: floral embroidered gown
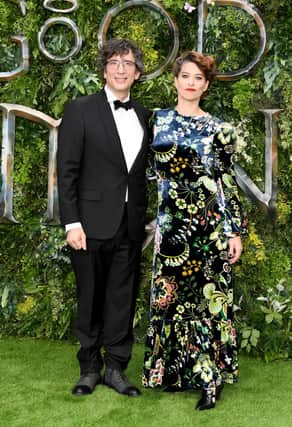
[191, 342]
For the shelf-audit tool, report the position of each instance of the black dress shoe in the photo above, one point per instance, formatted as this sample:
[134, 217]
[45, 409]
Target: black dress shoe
[115, 379]
[86, 384]
[207, 400]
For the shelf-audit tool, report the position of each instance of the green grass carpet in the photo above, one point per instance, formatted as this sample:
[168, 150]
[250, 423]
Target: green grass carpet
[37, 376]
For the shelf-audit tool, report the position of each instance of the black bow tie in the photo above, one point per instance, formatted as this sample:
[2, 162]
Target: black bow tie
[126, 105]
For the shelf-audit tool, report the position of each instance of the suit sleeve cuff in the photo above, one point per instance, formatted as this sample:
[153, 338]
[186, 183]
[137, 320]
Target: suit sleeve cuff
[69, 227]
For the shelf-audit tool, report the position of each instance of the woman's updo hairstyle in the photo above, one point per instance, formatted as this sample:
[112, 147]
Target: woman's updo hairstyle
[205, 63]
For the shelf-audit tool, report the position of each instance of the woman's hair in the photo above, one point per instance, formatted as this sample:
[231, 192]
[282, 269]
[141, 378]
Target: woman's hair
[206, 64]
[119, 47]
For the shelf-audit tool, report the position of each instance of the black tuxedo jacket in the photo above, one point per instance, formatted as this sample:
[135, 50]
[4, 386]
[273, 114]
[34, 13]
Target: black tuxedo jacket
[92, 171]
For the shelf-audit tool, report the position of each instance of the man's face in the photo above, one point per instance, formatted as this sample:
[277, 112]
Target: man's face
[120, 73]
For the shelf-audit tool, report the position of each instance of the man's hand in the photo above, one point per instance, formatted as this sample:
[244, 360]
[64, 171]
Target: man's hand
[76, 238]
[235, 249]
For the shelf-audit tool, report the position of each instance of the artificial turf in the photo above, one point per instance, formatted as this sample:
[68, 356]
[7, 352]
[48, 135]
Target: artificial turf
[37, 377]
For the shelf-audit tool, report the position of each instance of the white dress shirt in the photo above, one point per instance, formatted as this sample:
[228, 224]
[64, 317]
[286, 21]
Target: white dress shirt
[131, 136]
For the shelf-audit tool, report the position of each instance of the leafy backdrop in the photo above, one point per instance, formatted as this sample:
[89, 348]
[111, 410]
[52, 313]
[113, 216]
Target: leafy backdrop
[37, 294]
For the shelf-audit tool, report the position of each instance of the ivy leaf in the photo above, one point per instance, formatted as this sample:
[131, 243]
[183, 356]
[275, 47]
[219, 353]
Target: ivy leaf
[253, 341]
[271, 72]
[278, 317]
[265, 309]
[246, 333]
[244, 343]
[254, 337]
[255, 333]
[269, 317]
[4, 298]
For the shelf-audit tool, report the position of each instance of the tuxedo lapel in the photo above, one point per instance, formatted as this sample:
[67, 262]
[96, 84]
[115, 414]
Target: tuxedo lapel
[113, 142]
[141, 118]
[144, 145]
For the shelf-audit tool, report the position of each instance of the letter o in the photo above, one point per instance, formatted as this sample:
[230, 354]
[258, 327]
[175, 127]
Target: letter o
[256, 15]
[68, 23]
[24, 66]
[48, 5]
[115, 10]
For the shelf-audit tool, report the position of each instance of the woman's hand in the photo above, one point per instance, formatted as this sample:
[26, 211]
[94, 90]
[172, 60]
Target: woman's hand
[150, 231]
[151, 226]
[235, 249]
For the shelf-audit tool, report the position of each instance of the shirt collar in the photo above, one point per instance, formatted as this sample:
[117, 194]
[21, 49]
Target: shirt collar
[111, 97]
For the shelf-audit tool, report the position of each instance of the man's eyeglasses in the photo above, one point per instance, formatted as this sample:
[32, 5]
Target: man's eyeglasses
[115, 63]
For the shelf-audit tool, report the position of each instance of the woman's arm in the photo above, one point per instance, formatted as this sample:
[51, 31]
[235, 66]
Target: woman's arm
[234, 225]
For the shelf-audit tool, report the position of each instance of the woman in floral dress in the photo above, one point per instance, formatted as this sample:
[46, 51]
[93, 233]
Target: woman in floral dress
[191, 340]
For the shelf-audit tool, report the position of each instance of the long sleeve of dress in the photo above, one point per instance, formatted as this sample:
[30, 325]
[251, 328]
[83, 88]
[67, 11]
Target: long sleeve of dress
[224, 147]
[151, 170]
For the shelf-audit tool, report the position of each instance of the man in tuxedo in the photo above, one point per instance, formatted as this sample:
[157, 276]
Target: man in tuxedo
[101, 163]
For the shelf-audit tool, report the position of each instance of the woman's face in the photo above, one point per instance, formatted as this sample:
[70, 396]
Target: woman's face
[191, 82]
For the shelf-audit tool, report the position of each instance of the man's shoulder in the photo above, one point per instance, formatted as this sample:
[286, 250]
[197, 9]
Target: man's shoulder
[147, 113]
[86, 99]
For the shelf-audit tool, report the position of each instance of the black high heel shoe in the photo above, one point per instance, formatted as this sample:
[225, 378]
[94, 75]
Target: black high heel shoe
[208, 398]
[207, 401]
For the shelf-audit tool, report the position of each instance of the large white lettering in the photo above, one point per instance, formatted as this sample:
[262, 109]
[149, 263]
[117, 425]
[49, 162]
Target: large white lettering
[9, 113]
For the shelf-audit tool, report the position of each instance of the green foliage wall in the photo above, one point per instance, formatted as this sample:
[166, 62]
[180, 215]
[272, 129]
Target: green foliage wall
[37, 294]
